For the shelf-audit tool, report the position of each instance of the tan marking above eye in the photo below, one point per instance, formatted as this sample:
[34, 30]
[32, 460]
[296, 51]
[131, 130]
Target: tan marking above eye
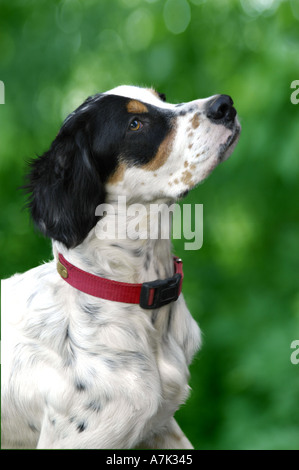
[134, 106]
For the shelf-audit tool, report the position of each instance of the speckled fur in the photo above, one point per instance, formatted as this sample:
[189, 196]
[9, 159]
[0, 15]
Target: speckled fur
[83, 372]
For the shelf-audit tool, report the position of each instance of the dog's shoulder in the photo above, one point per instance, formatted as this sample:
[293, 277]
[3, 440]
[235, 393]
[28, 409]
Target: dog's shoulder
[18, 291]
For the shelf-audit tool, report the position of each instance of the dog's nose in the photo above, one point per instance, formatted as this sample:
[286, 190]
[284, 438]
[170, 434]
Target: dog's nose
[220, 110]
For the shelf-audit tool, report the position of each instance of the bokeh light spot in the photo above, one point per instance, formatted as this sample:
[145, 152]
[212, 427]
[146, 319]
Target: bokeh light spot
[68, 16]
[139, 29]
[177, 15]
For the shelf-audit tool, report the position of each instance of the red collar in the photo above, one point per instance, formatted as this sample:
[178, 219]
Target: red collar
[148, 295]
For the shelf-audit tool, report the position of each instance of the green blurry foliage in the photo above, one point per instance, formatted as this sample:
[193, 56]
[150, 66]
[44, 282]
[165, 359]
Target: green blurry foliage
[242, 285]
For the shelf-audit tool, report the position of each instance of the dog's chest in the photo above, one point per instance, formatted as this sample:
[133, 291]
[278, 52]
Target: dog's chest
[174, 374]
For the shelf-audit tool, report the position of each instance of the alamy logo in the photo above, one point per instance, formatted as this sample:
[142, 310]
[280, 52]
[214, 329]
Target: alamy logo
[152, 221]
[295, 354]
[295, 94]
[2, 93]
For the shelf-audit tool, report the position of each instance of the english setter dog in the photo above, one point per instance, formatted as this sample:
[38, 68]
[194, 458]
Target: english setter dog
[96, 343]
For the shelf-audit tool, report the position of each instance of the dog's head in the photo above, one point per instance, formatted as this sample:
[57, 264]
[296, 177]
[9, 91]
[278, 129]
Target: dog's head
[130, 142]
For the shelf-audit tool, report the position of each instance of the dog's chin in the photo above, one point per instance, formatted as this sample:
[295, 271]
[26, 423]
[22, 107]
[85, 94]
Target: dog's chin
[228, 147]
[183, 194]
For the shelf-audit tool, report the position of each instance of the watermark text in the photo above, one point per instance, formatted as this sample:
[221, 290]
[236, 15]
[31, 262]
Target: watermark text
[295, 95]
[295, 354]
[152, 221]
[2, 93]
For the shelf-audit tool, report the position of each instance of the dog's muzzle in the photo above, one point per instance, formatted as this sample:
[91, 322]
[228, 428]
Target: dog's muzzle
[220, 110]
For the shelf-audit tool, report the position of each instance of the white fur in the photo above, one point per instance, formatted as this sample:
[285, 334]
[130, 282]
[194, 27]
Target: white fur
[83, 372]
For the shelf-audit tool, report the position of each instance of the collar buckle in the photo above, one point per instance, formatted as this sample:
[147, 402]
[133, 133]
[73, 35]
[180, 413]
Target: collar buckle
[155, 294]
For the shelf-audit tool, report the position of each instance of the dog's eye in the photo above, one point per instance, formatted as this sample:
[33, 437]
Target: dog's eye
[136, 125]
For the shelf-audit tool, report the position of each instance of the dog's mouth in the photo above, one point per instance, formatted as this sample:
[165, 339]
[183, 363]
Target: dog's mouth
[227, 148]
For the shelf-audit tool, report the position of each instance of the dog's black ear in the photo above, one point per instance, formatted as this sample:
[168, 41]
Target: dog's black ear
[64, 185]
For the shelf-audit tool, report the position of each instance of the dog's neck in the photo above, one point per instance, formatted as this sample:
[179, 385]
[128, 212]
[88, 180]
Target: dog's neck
[126, 245]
